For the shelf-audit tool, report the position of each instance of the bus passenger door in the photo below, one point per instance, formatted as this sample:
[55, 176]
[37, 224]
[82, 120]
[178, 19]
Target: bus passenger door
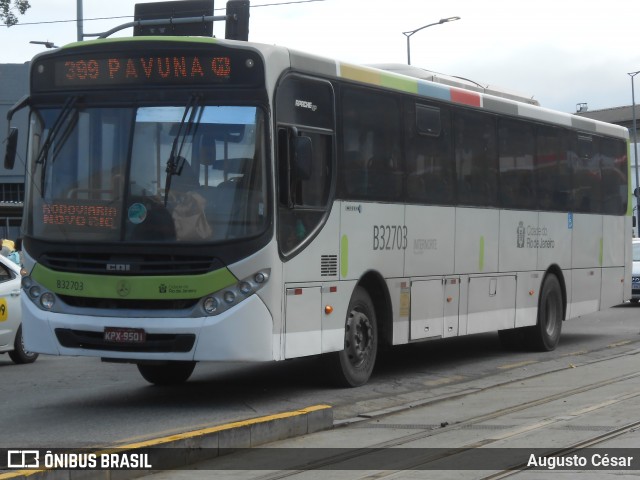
[303, 334]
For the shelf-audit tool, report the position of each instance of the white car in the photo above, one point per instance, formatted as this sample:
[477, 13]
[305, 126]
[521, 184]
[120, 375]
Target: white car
[11, 340]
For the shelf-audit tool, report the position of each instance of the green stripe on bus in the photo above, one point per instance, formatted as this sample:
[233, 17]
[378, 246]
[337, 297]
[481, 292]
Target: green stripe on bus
[399, 83]
[481, 259]
[162, 287]
[344, 256]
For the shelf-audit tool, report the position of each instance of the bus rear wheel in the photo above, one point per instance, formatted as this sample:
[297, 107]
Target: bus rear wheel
[545, 335]
[353, 365]
[167, 373]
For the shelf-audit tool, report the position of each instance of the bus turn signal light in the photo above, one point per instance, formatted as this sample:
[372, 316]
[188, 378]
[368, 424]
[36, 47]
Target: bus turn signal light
[328, 309]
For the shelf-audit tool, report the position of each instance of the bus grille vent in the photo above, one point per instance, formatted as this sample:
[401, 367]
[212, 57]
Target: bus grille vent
[144, 264]
[329, 265]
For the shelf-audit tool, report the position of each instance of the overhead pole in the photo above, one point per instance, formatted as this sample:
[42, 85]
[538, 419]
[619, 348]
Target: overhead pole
[79, 20]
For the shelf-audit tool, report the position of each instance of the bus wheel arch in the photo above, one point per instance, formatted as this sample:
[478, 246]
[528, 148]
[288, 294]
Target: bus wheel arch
[552, 307]
[352, 366]
[557, 271]
[376, 286]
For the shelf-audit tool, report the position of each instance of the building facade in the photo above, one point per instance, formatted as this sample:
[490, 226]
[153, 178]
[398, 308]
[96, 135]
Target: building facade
[14, 82]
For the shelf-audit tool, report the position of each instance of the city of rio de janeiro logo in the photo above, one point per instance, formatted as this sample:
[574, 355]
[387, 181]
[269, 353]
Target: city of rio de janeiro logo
[520, 235]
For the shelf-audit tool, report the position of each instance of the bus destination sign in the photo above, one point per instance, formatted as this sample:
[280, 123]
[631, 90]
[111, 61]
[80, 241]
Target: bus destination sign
[142, 70]
[173, 69]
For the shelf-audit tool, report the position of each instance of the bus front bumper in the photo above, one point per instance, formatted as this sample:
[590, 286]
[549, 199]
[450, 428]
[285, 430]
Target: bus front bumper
[242, 333]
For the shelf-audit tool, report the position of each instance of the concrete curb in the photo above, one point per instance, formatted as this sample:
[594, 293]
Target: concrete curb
[187, 448]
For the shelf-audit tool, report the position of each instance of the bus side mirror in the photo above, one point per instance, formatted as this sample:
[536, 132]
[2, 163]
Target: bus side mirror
[302, 157]
[10, 152]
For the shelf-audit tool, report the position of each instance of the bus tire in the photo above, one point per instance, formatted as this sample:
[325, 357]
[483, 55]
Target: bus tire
[19, 354]
[545, 335]
[353, 365]
[170, 373]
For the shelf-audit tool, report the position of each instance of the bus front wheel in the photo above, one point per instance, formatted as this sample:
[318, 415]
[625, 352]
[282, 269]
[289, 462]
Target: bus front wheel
[545, 335]
[354, 364]
[169, 373]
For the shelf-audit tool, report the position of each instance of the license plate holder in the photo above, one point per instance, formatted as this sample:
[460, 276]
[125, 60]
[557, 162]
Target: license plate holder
[124, 335]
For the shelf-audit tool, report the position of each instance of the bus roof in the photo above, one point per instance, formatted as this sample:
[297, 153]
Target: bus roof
[446, 91]
[404, 78]
[451, 80]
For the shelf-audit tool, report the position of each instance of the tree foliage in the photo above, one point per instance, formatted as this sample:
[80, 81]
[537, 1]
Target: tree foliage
[7, 8]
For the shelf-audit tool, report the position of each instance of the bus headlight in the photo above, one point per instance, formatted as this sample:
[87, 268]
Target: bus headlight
[245, 288]
[229, 297]
[41, 297]
[47, 300]
[233, 295]
[210, 305]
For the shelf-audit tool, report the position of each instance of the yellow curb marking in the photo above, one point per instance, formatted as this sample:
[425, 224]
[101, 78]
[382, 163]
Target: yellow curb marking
[183, 436]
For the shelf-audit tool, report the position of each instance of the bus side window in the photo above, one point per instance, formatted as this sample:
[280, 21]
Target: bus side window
[587, 192]
[372, 164]
[430, 176]
[476, 159]
[516, 152]
[303, 208]
[553, 170]
[613, 165]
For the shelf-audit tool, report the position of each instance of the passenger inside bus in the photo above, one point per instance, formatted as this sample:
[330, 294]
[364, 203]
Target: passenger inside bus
[187, 205]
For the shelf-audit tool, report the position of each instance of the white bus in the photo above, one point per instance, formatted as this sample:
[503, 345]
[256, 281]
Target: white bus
[199, 199]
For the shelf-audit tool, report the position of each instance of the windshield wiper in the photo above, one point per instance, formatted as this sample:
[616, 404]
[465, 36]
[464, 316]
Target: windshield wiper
[176, 163]
[43, 154]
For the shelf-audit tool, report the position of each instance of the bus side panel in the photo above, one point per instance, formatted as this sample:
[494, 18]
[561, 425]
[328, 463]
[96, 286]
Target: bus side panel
[612, 287]
[613, 238]
[613, 257]
[476, 243]
[557, 241]
[333, 322]
[302, 307]
[587, 241]
[586, 291]
[492, 303]
[373, 237]
[519, 240]
[557, 249]
[528, 292]
[586, 265]
[430, 249]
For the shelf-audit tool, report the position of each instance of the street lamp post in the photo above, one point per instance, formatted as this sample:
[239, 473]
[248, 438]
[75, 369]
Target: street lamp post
[635, 145]
[408, 34]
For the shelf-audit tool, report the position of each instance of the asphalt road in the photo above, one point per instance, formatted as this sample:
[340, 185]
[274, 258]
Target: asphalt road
[60, 402]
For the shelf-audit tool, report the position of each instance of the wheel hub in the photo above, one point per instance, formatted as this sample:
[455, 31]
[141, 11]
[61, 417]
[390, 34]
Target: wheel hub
[359, 337]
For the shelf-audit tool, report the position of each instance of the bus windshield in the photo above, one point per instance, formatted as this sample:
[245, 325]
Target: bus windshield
[190, 173]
